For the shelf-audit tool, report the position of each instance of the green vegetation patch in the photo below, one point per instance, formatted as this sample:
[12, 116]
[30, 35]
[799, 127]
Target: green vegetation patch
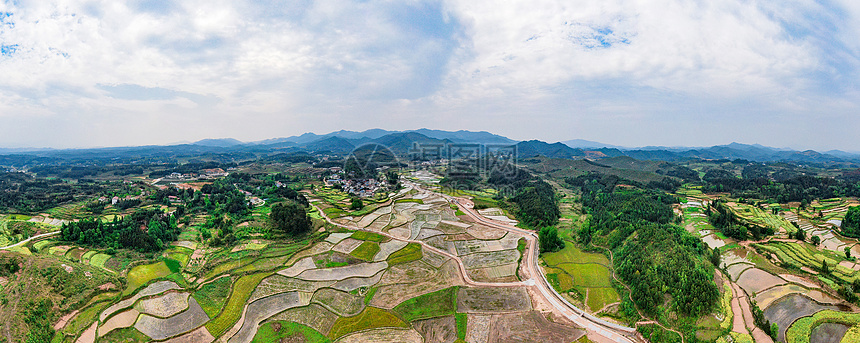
[600, 297]
[367, 236]
[462, 321]
[233, 310]
[370, 318]
[435, 304]
[419, 201]
[213, 295]
[123, 335]
[801, 329]
[366, 251]
[284, 331]
[143, 274]
[411, 252]
[99, 260]
[572, 254]
[588, 275]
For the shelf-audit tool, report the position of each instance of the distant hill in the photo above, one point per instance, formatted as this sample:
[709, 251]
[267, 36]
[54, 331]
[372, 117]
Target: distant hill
[218, 142]
[464, 136]
[556, 150]
[584, 144]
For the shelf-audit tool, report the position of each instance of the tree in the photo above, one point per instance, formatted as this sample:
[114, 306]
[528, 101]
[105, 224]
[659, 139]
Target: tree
[715, 257]
[800, 235]
[848, 252]
[549, 240]
[290, 219]
[816, 240]
[356, 204]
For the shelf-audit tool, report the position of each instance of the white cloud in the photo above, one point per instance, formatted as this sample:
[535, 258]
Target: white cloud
[531, 69]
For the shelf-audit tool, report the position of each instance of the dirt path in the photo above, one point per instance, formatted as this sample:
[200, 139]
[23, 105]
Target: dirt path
[740, 299]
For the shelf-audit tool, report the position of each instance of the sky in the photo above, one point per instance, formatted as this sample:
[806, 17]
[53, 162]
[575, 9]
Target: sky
[782, 73]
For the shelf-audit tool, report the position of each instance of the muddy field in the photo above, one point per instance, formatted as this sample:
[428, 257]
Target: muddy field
[259, 310]
[828, 333]
[492, 300]
[755, 280]
[785, 311]
[437, 330]
[313, 315]
[529, 327]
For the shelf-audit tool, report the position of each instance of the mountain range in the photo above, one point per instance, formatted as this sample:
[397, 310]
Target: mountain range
[402, 142]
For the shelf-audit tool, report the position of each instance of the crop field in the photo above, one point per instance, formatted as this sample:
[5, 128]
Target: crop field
[341, 303]
[802, 329]
[129, 334]
[366, 251]
[755, 280]
[159, 329]
[597, 298]
[411, 252]
[284, 331]
[313, 316]
[261, 309]
[242, 290]
[439, 329]
[786, 310]
[761, 217]
[99, 260]
[492, 300]
[435, 304]
[84, 318]
[164, 306]
[368, 236]
[213, 295]
[370, 318]
[121, 320]
[141, 275]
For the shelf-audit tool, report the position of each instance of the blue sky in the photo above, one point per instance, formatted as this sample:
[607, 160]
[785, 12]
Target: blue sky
[634, 73]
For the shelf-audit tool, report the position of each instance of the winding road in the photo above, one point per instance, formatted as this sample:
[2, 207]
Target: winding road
[598, 329]
[29, 239]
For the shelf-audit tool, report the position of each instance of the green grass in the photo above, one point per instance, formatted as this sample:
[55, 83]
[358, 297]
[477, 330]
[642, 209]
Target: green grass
[367, 236]
[366, 251]
[370, 318]
[213, 295]
[289, 332]
[435, 304]
[235, 304]
[411, 252]
[141, 275]
[461, 319]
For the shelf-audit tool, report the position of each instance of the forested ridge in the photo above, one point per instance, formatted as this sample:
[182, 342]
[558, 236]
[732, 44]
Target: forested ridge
[653, 256]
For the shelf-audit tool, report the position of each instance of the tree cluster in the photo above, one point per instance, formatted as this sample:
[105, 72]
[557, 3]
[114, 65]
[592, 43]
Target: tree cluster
[143, 230]
[290, 219]
[652, 255]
